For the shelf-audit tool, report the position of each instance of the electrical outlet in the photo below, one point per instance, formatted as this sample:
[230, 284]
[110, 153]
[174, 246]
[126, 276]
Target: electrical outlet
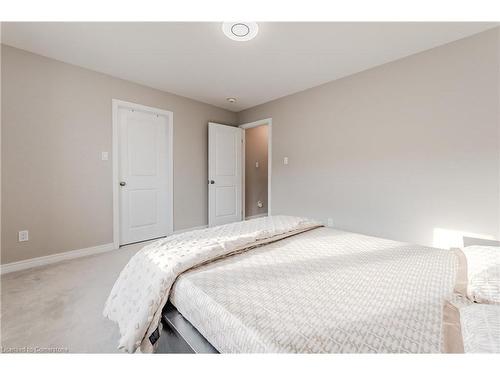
[330, 222]
[23, 235]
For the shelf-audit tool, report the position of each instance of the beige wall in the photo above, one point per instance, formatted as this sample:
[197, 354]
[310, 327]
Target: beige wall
[56, 120]
[398, 150]
[256, 178]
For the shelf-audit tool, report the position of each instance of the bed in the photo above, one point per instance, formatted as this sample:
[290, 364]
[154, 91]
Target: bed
[323, 291]
[313, 290]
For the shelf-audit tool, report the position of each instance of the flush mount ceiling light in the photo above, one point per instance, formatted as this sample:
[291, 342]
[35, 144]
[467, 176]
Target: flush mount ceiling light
[240, 31]
[231, 100]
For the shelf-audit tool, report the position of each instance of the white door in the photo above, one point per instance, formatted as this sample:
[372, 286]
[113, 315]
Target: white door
[224, 174]
[145, 174]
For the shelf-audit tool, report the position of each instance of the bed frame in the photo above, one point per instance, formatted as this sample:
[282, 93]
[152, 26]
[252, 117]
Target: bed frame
[471, 241]
[179, 336]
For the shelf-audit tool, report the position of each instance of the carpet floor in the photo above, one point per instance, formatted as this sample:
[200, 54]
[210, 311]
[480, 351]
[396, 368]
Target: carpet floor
[60, 305]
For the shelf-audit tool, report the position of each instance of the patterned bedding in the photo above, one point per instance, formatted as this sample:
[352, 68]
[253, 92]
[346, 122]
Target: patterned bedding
[322, 291]
[143, 287]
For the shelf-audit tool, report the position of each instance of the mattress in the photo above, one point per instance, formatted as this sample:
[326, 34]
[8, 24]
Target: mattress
[322, 291]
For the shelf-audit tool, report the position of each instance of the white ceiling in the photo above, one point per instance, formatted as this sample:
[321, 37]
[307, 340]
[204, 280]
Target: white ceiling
[196, 60]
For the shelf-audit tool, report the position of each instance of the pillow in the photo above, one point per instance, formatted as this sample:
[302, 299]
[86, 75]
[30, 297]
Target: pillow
[470, 327]
[478, 276]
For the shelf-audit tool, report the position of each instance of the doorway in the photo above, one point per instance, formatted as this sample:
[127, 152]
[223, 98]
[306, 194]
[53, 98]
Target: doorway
[142, 173]
[257, 169]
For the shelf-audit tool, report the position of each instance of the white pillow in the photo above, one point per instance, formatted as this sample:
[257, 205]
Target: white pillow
[478, 275]
[470, 327]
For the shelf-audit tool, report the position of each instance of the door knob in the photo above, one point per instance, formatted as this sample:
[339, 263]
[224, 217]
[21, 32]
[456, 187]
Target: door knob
[123, 183]
[211, 182]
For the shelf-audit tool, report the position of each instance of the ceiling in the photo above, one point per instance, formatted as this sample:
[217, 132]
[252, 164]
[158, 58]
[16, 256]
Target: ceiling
[196, 60]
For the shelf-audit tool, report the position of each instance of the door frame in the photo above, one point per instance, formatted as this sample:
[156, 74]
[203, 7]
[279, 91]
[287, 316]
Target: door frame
[254, 124]
[116, 105]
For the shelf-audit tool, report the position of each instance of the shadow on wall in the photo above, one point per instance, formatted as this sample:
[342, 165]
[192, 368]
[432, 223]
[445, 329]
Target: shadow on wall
[448, 238]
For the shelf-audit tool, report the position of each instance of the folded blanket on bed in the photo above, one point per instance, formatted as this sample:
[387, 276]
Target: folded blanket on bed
[142, 289]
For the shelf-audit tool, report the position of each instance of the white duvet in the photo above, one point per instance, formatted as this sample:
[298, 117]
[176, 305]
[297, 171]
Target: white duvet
[142, 289]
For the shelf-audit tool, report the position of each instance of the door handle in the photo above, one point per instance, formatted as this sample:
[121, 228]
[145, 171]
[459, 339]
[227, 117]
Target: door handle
[211, 182]
[123, 183]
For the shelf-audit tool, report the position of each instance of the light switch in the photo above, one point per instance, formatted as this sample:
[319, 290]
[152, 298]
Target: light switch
[256, 164]
[285, 160]
[23, 235]
[104, 156]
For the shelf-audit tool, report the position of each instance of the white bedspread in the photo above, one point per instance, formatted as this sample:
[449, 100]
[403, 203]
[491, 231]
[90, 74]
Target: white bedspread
[143, 287]
[323, 291]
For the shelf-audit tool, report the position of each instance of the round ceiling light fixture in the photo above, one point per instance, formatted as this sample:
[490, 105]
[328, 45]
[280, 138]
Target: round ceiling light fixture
[231, 100]
[240, 31]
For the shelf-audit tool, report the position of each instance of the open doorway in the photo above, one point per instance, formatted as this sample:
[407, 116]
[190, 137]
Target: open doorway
[257, 169]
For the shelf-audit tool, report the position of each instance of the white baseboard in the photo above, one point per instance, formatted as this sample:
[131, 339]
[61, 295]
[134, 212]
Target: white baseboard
[255, 216]
[59, 257]
[54, 258]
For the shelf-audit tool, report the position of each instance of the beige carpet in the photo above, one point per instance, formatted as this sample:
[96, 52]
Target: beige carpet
[60, 305]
